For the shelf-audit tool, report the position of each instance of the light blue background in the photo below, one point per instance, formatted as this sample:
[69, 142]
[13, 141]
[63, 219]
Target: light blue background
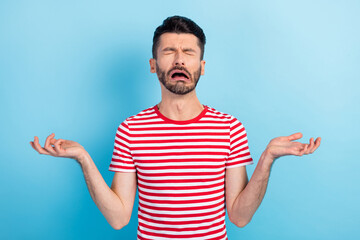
[79, 68]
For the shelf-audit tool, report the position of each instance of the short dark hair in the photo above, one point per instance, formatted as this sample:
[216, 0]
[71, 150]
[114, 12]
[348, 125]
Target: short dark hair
[178, 24]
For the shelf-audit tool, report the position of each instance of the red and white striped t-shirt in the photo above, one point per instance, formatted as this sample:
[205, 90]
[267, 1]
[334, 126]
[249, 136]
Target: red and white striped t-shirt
[180, 167]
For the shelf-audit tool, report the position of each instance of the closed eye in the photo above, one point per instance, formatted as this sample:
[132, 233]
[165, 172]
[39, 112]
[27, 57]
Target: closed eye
[189, 51]
[168, 50]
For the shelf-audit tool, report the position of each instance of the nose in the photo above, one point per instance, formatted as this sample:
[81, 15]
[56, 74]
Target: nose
[179, 60]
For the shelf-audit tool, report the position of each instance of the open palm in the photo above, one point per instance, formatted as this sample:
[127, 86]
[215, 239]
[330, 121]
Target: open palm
[282, 146]
[58, 147]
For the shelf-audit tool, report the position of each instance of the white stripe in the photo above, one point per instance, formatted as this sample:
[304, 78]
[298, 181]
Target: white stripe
[183, 225]
[205, 137]
[173, 170]
[171, 157]
[121, 170]
[171, 198]
[181, 177]
[177, 219]
[181, 191]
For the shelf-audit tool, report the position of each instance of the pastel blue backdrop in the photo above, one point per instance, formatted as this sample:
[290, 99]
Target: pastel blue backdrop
[79, 68]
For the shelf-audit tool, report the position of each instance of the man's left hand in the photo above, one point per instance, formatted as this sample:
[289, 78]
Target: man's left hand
[282, 146]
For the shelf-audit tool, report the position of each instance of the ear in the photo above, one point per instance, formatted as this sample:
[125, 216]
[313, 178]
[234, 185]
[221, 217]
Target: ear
[202, 64]
[152, 62]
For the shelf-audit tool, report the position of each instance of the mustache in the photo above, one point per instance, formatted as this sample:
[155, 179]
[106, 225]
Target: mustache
[179, 68]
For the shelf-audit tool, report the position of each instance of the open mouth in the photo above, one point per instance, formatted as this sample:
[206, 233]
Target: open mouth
[179, 75]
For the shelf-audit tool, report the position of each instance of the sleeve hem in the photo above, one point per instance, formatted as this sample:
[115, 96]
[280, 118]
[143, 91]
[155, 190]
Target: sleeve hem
[240, 164]
[121, 170]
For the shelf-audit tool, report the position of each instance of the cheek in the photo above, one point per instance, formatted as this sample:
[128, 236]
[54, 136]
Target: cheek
[194, 65]
[164, 63]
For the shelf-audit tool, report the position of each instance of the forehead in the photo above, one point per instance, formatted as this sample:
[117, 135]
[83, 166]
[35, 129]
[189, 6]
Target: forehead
[178, 40]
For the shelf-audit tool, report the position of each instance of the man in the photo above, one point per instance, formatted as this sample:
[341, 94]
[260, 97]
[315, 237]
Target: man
[186, 159]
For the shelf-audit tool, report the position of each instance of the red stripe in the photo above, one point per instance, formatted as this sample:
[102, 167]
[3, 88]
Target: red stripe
[239, 156]
[166, 128]
[142, 135]
[147, 161]
[181, 180]
[155, 141]
[162, 122]
[179, 147]
[179, 222]
[195, 194]
[197, 208]
[122, 167]
[181, 201]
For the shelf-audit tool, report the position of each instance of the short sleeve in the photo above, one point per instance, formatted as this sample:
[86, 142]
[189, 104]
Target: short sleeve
[122, 160]
[239, 154]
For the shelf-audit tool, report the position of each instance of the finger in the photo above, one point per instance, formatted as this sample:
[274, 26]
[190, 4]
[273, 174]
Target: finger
[310, 146]
[313, 147]
[32, 145]
[47, 146]
[297, 149]
[317, 144]
[305, 149]
[57, 146]
[38, 148]
[297, 152]
[295, 136]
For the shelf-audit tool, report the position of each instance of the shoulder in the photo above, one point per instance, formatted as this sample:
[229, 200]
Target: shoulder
[143, 115]
[213, 113]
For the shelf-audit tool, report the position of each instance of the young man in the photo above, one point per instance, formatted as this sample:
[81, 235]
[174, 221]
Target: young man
[186, 159]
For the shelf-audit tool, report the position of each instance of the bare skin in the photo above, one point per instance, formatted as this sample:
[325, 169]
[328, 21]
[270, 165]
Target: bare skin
[115, 203]
[243, 197]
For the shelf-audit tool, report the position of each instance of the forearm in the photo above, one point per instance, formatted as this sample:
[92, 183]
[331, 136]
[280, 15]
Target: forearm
[246, 202]
[250, 198]
[104, 197]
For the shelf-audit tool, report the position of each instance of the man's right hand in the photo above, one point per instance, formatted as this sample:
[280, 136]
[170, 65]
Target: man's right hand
[59, 147]
[115, 203]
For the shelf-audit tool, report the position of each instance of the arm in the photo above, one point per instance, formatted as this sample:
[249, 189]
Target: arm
[115, 203]
[243, 197]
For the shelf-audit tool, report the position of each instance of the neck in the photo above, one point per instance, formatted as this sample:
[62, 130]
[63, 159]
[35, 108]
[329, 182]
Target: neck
[180, 107]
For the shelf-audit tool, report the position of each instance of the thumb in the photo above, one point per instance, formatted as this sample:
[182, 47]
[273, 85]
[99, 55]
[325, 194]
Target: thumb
[295, 136]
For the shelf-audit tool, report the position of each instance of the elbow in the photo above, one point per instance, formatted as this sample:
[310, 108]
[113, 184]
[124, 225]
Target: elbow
[120, 224]
[117, 226]
[240, 222]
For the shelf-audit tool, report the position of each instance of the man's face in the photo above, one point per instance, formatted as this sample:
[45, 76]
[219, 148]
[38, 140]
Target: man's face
[178, 64]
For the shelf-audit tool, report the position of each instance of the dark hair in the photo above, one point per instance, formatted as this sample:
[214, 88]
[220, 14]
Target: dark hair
[178, 24]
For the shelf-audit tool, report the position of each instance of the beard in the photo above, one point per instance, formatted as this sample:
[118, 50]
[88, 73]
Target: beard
[179, 87]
